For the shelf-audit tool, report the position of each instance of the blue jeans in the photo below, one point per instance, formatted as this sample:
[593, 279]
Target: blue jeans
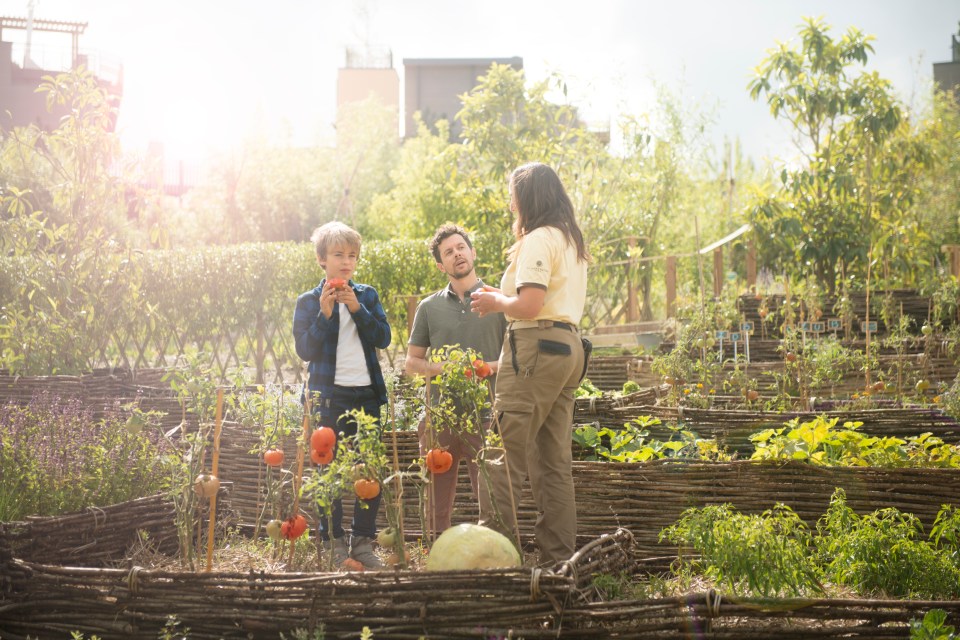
[332, 412]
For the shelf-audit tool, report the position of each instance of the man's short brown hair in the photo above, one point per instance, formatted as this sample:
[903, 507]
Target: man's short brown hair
[445, 232]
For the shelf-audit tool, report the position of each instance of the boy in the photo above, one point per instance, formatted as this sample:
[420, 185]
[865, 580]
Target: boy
[444, 319]
[337, 328]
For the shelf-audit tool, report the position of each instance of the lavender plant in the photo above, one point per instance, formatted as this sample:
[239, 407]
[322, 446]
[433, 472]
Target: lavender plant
[56, 457]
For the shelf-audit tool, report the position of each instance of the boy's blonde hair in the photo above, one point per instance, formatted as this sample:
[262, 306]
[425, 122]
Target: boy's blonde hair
[334, 234]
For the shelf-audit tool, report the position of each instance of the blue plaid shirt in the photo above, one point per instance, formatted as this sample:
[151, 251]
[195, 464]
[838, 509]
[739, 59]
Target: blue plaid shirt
[316, 337]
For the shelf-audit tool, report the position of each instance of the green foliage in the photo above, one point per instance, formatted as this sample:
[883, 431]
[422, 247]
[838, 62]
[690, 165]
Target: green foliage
[56, 458]
[884, 553]
[820, 441]
[587, 390]
[774, 553]
[933, 627]
[630, 444]
[62, 204]
[850, 200]
[768, 554]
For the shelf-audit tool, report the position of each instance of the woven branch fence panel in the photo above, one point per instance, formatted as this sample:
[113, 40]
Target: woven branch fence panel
[647, 497]
[46, 600]
[712, 616]
[49, 601]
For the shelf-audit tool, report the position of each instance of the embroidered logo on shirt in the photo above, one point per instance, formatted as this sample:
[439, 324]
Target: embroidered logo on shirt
[538, 267]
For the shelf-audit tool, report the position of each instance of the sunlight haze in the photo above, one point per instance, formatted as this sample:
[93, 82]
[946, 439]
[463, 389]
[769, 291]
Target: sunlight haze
[198, 76]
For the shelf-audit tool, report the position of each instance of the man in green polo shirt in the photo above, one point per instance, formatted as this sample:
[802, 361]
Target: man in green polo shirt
[444, 318]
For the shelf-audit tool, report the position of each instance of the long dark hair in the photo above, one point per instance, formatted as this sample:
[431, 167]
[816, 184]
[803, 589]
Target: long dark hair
[543, 202]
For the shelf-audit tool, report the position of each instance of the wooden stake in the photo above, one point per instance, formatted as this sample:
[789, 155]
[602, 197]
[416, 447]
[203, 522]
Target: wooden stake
[298, 477]
[214, 468]
[399, 486]
[430, 533]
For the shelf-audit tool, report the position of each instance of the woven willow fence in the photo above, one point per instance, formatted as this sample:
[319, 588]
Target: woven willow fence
[99, 593]
[72, 573]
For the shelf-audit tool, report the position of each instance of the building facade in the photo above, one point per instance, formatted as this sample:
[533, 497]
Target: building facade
[433, 87]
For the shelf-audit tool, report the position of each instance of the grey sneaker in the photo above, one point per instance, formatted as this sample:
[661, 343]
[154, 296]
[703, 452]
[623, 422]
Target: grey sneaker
[339, 550]
[361, 550]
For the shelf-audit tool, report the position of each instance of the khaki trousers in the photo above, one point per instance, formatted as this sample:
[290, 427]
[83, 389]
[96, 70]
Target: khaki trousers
[535, 408]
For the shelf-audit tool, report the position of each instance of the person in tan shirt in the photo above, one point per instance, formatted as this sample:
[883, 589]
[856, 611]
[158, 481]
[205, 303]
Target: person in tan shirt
[542, 295]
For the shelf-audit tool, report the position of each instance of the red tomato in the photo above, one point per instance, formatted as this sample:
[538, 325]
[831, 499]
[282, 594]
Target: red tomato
[336, 283]
[481, 368]
[323, 439]
[273, 457]
[321, 457]
[293, 527]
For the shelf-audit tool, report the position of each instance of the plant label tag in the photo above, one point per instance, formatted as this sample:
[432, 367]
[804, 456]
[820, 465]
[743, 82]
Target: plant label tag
[746, 327]
[834, 324]
[721, 335]
[868, 327]
[735, 337]
[806, 326]
[817, 327]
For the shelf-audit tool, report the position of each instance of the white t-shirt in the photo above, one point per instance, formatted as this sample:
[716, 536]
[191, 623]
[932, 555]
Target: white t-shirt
[351, 363]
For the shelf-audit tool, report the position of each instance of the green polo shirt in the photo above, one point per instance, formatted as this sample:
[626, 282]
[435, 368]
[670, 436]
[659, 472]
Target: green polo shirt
[443, 319]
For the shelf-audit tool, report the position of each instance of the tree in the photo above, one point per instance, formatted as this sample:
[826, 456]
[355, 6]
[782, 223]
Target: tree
[828, 209]
[63, 231]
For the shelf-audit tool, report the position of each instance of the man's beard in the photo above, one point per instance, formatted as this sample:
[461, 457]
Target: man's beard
[457, 275]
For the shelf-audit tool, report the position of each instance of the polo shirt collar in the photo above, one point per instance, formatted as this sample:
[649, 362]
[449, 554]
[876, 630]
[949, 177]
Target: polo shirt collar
[448, 290]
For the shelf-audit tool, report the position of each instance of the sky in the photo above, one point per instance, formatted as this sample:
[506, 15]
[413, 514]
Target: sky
[200, 74]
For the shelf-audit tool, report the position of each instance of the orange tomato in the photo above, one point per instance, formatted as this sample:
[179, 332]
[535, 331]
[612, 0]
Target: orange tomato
[439, 460]
[366, 488]
[273, 457]
[321, 457]
[323, 439]
[293, 527]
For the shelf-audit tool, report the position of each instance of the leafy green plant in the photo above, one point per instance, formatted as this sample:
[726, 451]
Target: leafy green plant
[769, 554]
[884, 553]
[587, 390]
[820, 441]
[933, 627]
[630, 444]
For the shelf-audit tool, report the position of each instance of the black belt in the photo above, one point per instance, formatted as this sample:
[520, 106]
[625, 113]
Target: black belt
[564, 325]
